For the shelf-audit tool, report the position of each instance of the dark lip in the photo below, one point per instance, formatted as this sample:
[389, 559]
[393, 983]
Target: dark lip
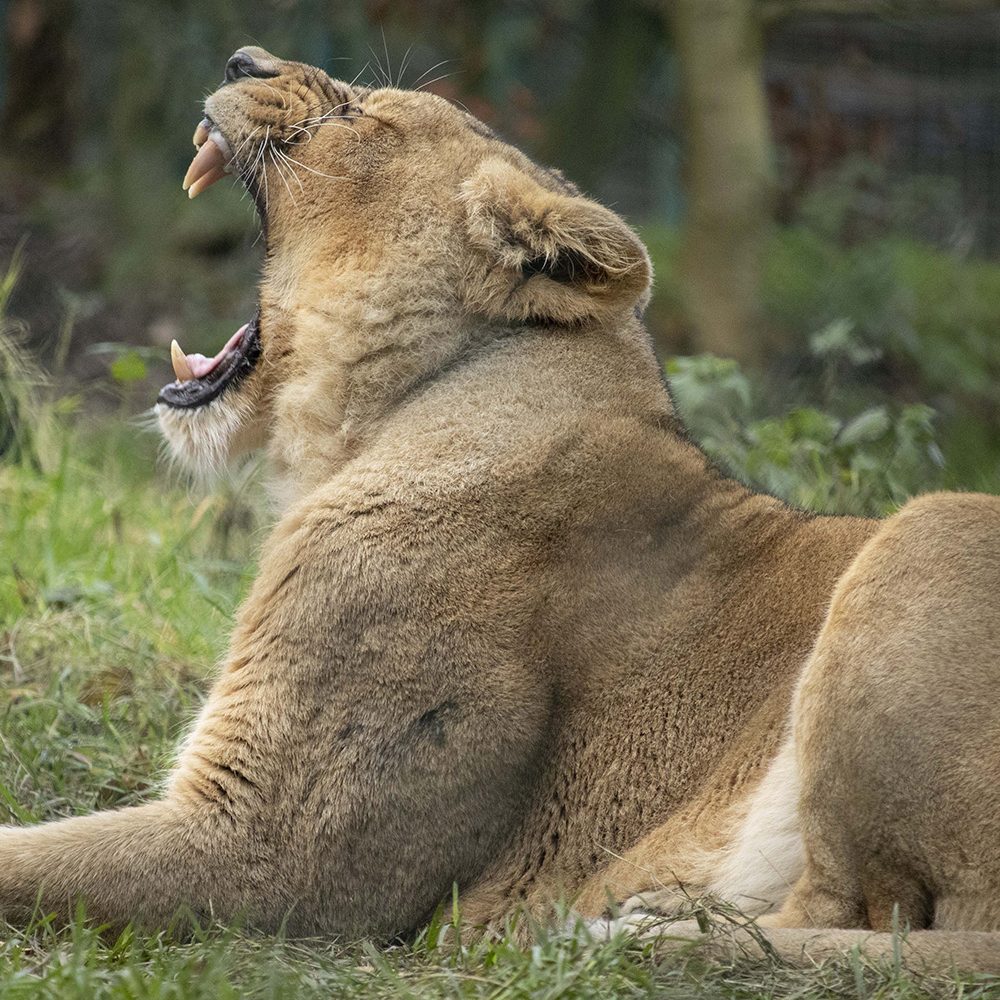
[252, 184]
[230, 371]
[242, 170]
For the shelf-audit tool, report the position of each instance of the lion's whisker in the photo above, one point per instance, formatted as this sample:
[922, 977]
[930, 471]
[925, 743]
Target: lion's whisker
[437, 79]
[383, 76]
[427, 72]
[357, 76]
[388, 61]
[403, 65]
[318, 173]
[292, 170]
[277, 166]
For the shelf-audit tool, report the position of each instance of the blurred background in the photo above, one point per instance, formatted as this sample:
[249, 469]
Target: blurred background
[818, 182]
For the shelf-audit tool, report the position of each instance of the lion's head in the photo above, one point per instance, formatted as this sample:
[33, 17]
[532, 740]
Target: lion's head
[398, 228]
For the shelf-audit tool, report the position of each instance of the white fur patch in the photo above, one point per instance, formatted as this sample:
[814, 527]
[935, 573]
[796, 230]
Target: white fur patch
[200, 438]
[758, 868]
[639, 923]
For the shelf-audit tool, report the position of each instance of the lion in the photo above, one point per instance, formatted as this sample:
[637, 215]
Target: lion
[513, 631]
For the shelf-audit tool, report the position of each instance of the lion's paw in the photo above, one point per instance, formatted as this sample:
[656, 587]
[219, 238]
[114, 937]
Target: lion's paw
[669, 903]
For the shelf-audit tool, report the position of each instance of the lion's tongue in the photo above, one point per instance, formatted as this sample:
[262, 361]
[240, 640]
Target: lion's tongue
[189, 366]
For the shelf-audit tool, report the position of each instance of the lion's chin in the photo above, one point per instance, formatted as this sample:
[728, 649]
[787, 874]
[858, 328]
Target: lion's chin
[201, 439]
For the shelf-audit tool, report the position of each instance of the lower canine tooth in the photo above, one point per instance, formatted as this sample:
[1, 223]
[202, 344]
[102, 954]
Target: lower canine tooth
[180, 362]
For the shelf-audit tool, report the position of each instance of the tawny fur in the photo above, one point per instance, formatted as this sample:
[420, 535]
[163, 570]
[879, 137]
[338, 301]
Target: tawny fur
[512, 625]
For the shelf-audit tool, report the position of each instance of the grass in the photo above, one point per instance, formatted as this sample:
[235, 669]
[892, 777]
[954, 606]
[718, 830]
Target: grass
[117, 588]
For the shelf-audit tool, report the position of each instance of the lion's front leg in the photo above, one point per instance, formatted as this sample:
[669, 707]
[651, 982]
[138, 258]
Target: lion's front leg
[665, 873]
[148, 865]
[371, 741]
[394, 719]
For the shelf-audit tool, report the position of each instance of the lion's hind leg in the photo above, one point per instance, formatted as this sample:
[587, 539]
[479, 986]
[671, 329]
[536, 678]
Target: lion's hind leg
[897, 726]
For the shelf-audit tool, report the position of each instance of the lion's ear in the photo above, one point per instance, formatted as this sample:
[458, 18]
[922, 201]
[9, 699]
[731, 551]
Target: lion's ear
[545, 255]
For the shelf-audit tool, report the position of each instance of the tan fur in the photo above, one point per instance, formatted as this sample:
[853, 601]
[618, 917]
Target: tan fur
[512, 625]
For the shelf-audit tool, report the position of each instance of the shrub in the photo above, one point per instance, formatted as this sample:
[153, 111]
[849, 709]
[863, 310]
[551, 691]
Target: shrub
[867, 462]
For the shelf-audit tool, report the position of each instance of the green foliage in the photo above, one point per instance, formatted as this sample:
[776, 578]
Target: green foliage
[221, 964]
[882, 322]
[864, 463]
[114, 585]
[858, 257]
[930, 310]
[128, 367]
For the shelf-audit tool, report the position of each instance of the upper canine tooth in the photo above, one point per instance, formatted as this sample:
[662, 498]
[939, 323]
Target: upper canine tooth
[209, 157]
[180, 362]
[206, 180]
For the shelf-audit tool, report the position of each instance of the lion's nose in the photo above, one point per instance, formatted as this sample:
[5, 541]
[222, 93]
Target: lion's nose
[251, 61]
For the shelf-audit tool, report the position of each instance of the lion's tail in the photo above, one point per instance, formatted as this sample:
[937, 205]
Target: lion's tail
[143, 864]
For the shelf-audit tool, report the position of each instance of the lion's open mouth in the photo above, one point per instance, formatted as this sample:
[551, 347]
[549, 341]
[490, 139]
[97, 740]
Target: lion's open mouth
[200, 379]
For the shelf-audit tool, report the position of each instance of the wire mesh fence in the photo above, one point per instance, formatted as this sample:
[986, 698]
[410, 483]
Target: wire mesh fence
[907, 110]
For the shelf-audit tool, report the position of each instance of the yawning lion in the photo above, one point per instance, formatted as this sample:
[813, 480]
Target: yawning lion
[513, 631]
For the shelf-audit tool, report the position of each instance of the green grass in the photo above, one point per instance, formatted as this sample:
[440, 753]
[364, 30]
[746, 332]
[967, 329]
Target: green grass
[117, 589]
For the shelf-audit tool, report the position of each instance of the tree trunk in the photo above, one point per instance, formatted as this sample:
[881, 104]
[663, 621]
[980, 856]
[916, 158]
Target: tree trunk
[37, 119]
[727, 173]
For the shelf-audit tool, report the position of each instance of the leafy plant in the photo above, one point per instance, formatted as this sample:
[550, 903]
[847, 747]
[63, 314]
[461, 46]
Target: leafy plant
[865, 462]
